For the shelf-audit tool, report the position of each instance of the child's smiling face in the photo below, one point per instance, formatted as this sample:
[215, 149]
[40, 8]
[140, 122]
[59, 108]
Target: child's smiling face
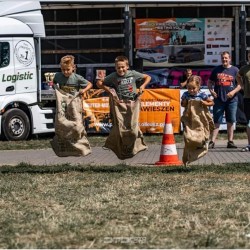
[192, 88]
[121, 68]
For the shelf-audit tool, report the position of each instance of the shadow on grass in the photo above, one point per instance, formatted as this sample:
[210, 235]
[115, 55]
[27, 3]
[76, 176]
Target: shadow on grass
[123, 168]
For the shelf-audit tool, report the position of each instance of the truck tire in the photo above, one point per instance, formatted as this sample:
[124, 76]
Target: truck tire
[15, 125]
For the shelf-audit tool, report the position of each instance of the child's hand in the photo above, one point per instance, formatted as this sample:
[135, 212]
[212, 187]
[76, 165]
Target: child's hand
[141, 90]
[203, 103]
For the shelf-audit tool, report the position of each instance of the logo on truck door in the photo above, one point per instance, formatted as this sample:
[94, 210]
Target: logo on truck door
[24, 52]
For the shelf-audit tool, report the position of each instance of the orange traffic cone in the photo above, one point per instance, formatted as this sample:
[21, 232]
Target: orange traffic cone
[168, 149]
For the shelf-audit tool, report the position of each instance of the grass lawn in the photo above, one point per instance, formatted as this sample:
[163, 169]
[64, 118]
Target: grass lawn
[124, 207]
[65, 206]
[43, 141]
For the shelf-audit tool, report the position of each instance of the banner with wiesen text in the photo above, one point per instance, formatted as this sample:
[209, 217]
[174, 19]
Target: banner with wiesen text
[154, 106]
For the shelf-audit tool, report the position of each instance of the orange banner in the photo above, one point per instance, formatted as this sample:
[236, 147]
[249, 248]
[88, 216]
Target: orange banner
[96, 111]
[154, 106]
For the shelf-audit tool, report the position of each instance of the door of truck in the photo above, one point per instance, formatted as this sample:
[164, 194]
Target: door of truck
[25, 65]
[7, 69]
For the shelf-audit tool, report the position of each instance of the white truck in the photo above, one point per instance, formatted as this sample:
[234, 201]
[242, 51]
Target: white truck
[24, 108]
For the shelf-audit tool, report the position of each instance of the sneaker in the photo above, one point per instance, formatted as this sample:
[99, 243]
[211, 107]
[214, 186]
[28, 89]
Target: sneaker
[211, 144]
[246, 149]
[231, 144]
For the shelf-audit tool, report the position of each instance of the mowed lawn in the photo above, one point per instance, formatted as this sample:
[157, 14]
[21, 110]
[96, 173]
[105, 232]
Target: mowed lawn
[124, 206]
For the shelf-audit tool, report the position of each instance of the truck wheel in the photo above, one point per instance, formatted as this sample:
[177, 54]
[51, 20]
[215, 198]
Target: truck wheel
[16, 125]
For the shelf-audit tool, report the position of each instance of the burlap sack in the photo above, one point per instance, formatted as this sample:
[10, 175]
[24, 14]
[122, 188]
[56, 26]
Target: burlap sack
[125, 138]
[70, 135]
[198, 124]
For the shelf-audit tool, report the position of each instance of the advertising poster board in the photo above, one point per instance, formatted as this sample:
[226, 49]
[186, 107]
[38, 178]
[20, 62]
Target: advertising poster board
[218, 38]
[96, 111]
[154, 105]
[151, 32]
[173, 42]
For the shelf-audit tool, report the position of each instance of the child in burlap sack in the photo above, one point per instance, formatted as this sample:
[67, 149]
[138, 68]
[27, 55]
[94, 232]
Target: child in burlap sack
[197, 120]
[70, 134]
[125, 138]
[68, 81]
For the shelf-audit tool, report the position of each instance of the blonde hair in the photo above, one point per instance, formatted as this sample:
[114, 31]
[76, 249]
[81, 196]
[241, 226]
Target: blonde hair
[195, 79]
[67, 60]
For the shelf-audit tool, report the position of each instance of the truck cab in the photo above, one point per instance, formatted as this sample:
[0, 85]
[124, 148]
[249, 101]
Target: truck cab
[22, 110]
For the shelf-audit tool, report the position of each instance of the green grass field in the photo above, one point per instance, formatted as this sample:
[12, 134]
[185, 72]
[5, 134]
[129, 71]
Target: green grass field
[124, 207]
[65, 206]
[43, 141]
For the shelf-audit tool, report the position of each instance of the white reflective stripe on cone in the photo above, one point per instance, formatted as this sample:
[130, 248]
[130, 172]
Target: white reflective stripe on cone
[168, 129]
[168, 149]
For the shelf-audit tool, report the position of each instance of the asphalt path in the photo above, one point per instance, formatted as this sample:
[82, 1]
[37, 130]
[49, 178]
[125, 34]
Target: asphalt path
[100, 156]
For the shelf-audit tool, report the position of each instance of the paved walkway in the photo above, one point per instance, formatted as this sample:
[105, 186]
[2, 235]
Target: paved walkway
[100, 156]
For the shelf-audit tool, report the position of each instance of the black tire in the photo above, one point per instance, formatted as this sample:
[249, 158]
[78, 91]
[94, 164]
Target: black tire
[15, 125]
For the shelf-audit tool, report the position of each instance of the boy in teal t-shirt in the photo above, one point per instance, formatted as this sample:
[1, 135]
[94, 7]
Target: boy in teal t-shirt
[123, 80]
[68, 80]
[125, 138]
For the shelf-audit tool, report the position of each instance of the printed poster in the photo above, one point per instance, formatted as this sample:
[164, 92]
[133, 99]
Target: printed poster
[151, 33]
[218, 38]
[154, 106]
[170, 42]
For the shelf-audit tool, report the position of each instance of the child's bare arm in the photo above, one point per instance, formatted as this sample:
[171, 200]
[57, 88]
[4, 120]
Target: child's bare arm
[88, 87]
[147, 80]
[208, 102]
[101, 85]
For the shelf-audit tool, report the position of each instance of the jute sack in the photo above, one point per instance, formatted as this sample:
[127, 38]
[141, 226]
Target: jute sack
[198, 124]
[125, 138]
[70, 135]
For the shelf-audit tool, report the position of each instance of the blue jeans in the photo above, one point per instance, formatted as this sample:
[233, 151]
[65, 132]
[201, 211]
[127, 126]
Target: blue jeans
[230, 109]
